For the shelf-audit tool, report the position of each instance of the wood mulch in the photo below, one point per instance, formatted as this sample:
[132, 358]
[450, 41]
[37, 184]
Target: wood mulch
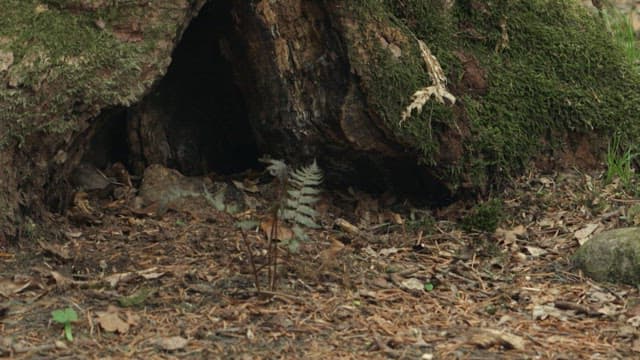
[379, 280]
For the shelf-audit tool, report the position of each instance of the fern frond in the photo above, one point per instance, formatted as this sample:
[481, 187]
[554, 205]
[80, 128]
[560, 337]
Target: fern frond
[277, 168]
[302, 194]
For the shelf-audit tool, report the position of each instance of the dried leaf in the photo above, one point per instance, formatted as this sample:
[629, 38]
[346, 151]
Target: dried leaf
[509, 237]
[487, 338]
[412, 284]
[61, 280]
[438, 90]
[172, 343]
[329, 255]
[58, 250]
[347, 227]
[389, 251]
[110, 321]
[541, 312]
[284, 232]
[10, 287]
[585, 233]
[535, 251]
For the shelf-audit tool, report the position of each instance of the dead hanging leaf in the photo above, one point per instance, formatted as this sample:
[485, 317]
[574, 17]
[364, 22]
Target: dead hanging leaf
[284, 233]
[172, 343]
[11, 287]
[585, 233]
[110, 321]
[487, 338]
[438, 90]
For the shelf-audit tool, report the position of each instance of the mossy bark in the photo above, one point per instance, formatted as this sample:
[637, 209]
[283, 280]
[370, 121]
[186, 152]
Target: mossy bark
[61, 64]
[328, 79]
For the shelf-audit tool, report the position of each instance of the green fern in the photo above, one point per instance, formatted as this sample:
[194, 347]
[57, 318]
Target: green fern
[301, 189]
[302, 194]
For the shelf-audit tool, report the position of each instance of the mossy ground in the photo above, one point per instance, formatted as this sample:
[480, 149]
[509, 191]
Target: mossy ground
[558, 72]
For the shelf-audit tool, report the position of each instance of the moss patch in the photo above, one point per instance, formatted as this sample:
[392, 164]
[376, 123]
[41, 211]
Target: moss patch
[72, 62]
[552, 68]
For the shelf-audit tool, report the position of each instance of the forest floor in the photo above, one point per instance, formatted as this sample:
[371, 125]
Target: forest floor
[400, 282]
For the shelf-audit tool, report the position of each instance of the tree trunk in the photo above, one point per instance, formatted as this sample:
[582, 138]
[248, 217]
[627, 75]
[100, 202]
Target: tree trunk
[427, 97]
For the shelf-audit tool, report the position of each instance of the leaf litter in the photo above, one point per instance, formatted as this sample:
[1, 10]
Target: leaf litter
[391, 286]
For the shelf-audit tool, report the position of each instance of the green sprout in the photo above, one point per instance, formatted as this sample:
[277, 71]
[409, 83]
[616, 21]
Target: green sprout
[428, 286]
[65, 317]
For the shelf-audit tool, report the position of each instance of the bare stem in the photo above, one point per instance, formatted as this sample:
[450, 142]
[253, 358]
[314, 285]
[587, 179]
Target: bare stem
[253, 264]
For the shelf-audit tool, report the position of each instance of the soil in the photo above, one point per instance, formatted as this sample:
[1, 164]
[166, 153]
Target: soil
[379, 279]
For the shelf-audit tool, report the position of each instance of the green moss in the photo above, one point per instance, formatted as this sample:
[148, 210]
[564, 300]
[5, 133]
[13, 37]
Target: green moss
[484, 217]
[65, 65]
[389, 81]
[559, 72]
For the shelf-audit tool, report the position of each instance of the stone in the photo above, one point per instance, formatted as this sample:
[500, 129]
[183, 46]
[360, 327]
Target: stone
[612, 256]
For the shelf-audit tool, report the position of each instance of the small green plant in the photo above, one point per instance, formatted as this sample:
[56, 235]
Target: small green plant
[620, 162]
[484, 217]
[297, 192]
[65, 317]
[621, 28]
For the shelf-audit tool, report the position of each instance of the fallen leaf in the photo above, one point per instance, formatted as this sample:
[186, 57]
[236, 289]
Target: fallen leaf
[395, 218]
[389, 251]
[347, 226]
[73, 234]
[535, 251]
[487, 338]
[60, 251]
[634, 321]
[172, 343]
[541, 312]
[327, 256]
[10, 287]
[585, 233]
[284, 232]
[110, 321]
[61, 280]
[412, 284]
[509, 237]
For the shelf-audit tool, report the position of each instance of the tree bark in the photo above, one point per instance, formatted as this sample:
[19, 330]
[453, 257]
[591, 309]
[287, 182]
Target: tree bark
[428, 97]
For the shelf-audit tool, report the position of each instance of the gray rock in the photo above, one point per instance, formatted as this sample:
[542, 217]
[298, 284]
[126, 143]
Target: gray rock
[612, 256]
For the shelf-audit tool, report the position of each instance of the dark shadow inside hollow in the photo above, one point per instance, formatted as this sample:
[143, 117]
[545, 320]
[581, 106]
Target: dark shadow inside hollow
[209, 129]
[195, 120]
